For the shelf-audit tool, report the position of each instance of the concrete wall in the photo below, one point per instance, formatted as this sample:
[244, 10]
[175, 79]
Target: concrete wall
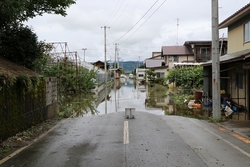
[51, 97]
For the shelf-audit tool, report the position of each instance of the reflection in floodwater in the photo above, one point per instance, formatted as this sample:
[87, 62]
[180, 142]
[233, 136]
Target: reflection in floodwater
[77, 105]
[127, 93]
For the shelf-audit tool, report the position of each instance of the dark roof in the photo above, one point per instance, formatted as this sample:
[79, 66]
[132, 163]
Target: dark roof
[175, 50]
[99, 61]
[236, 16]
[198, 42]
[15, 69]
[232, 57]
[204, 42]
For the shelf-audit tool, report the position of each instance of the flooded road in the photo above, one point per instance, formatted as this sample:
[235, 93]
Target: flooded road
[126, 93]
[95, 137]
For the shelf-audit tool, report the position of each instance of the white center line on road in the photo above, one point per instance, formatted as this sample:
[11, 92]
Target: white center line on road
[125, 133]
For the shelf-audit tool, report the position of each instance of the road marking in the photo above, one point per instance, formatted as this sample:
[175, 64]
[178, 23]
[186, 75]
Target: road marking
[125, 133]
[222, 129]
[241, 138]
[228, 142]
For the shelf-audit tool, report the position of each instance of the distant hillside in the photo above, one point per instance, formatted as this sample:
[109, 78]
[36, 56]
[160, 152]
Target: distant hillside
[129, 66]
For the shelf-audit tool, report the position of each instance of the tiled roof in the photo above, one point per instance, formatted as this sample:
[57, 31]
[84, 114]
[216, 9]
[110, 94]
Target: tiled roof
[15, 69]
[236, 16]
[175, 50]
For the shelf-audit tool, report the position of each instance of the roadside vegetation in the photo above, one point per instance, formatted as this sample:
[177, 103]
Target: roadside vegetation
[187, 78]
[19, 43]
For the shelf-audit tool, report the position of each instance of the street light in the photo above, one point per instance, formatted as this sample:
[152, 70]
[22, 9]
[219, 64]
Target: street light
[84, 52]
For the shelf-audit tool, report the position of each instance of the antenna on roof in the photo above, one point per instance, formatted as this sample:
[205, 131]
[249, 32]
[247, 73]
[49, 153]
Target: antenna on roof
[177, 31]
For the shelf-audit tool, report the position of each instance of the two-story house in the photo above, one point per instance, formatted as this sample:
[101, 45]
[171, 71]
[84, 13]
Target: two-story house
[191, 53]
[235, 65]
[202, 49]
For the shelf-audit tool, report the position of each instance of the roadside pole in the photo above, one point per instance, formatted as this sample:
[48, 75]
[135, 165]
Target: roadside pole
[215, 61]
[105, 68]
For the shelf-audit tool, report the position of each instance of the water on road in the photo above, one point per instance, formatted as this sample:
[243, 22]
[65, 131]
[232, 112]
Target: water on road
[128, 93]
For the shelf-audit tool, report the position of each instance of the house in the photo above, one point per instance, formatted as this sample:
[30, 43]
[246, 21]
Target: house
[156, 54]
[157, 64]
[235, 65]
[162, 63]
[100, 64]
[202, 50]
[176, 54]
[141, 73]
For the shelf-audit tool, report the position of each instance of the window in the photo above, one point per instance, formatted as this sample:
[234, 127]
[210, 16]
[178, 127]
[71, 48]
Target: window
[205, 53]
[140, 75]
[247, 32]
[173, 58]
[160, 100]
[160, 74]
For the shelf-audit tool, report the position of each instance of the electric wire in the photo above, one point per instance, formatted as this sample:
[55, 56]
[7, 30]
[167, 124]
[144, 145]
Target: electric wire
[144, 22]
[125, 17]
[137, 21]
[114, 26]
[111, 13]
[120, 13]
[116, 11]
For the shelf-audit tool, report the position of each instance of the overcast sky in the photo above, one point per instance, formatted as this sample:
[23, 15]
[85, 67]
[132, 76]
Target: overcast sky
[139, 27]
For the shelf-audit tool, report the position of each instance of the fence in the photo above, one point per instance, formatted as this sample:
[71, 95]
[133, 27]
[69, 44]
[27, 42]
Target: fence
[20, 109]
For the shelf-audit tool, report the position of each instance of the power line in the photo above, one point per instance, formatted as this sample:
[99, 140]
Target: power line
[125, 17]
[137, 21]
[120, 13]
[115, 11]
[144, 22]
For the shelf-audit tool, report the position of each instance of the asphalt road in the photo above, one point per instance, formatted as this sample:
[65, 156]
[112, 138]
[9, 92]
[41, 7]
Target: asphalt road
[149, 140]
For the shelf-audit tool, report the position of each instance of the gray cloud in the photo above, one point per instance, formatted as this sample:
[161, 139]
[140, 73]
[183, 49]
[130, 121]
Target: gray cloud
[81, 28]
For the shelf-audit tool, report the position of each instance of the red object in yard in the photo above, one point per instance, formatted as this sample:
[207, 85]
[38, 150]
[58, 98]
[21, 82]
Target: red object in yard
[197, 96]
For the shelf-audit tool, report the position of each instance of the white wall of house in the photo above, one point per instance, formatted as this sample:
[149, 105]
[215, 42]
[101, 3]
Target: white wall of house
[182, 58]
[161, 71]
[140, 73]
[185, 58]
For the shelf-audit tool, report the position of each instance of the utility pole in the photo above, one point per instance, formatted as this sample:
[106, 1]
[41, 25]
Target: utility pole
[215, 61]
[105, 68]
[77, 85]
[115, 55]
[177, 31]
[115, 75]
[84, 49]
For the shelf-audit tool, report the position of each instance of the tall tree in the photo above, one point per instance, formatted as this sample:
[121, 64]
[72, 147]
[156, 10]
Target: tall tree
[19, 42]
[12, 11]
[20, 45]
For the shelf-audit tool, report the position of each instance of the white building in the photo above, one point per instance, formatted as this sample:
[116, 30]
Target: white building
[141, 73]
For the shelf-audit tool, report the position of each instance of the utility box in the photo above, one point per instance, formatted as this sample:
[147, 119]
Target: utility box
[129, 113]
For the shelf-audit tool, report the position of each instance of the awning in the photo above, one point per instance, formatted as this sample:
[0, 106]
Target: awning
[232, 57]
